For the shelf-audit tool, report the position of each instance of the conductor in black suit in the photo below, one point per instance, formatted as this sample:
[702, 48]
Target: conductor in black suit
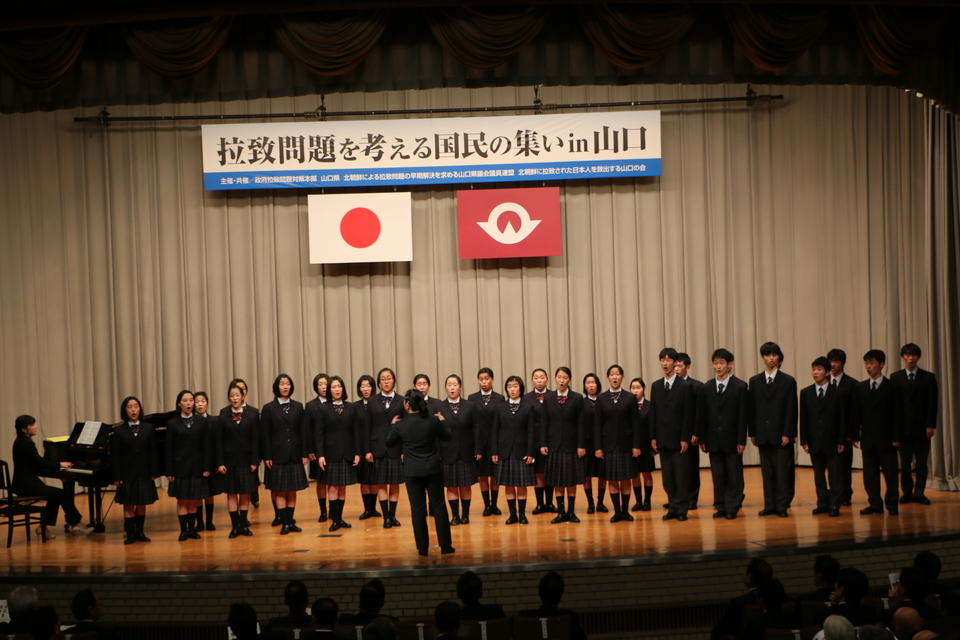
[672, 410]
[842, 382]
[419, 435]
[878, 419]
[721, 425]
[920, 399]
[773, 428]
[822, 436]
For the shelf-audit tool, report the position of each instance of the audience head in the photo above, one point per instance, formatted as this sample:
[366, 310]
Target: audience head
[913, 585]
[447, 617]
[85, 606]
[852, 585]
[380, 628]
[372, 596]
[469, 588]
[22, 601]
[825, 570]
[757, 571]
[929, 565]
[295, 596]
[771, 594]
[43, 624]
[242, 620]
[838, 628]
[906, 623]
[950, 602]
[324, 612]
[551, 589]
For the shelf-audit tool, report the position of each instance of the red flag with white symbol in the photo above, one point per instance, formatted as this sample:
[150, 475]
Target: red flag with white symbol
[509, 223]
[361, 227]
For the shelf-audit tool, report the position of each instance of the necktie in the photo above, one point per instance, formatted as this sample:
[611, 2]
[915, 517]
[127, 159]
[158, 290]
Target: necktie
[912, 376]
[236, 415]
[561, 400]
[540, 395]
[486, 398]
[338, 408]
[135, 428]
[666, 387]
[187, 422]
[720, 388]
[286, 408]
[385, 401]
[820, 393]
[875, 385]
[514, 407]
[833, 382]
[616, 396]
[770, 380]
[455, 407]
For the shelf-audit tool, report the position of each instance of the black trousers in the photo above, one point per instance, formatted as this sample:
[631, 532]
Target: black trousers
[676, 478]
[828, 466]
[693, 479]
[56, 499]
[777, 468]
[727, 472]
[911, 450]
[846, 466]
[875, 463]
[417, 489]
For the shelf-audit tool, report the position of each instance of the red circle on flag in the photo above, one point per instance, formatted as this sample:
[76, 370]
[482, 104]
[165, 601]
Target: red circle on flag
[360, 227]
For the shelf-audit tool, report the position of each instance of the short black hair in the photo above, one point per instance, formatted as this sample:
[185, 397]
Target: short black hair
[669, 353]
[612, 367]
[485, 370]
[424, 376]
[875, 354]
[343, 385]
[372, 596]
[759, 570]
[828, 568]
[123, 407]
[640, 380]
[325, 612]
[23, 422]
[684, 358]
[929, 565]
[514, 379]
[566, 370]
[276, 385]
[822, 362]
[368, 378]
[772, 593]
[551, 589]
[295, 596]
[915, 586]
[447, 617]
[838, 355]
[469, 588]
[455, 377]
[383, 371]
[855, 584]
[910, 349]
[723, 354]
[316, 381]
[242, 620]
[596, 378]
[42, 623]
[80, 607]
[180, 397]
[771, 349]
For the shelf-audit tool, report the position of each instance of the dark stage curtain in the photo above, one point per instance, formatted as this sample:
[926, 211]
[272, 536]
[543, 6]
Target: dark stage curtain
[896, 37]
[487, 37]
[40, 59]
[180, 48]
[773, 37]
[330, 43]
[635, 36]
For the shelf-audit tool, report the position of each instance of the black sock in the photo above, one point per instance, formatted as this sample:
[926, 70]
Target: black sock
[601, 492]
[538, 491]
[183, 522]
[385, 508]
[512, 505]
[234, 519]
[199, 514]
[243, 518]
[560, 506]
[647, 492]
[454, 508]
[466, 507]
[290, 516]
[486, 499]
[589, 494]
[548, 496]
[340, 502]
[276, 512]
[625, 501]
[570, 500]
[393, 508]
[494, 496]
[140, 521]
[323, 506]
[615, 499]
[128, 526]
[522, 506]
[637, 491]
[209, 512]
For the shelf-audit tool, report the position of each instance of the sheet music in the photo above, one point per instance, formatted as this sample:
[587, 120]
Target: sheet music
[89, 434]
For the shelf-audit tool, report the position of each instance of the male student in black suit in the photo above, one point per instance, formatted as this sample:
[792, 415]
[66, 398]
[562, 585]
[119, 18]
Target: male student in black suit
[773, 428]
[470, 590]
[878, 422]
[721, 426]
[822, 436]
[682, 367]
[920, 403]
[671, 420]
[842, 382]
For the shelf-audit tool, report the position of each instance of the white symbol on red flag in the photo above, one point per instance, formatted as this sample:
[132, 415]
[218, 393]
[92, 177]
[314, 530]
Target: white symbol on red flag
[509, 223]
[362, 227]
[508, 234]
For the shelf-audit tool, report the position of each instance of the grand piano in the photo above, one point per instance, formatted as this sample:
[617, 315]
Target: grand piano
[88, 448]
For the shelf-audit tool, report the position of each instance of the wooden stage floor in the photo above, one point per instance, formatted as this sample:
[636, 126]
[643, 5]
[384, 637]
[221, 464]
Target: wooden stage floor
[485, 541]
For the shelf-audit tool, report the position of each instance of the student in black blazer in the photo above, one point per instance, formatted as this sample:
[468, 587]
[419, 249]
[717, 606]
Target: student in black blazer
[672, 407]
[617, 437]
[310, 410]
[562, 441]
[461, 453]
[773, 428]
[387, 466]
[682, 367]
[188, 461]
[845, 385]
[419, 435]
[215, 482]
[486, 400]
[285, 447]
[822, 436]
[877, 414]
[516, 431]
[920, 404]
[543, 492]
[338, 443]
[593, 466]
[133, 449]
[421, 382]
[365, 470]
[240, 434]
[723, 412]
[643, 481]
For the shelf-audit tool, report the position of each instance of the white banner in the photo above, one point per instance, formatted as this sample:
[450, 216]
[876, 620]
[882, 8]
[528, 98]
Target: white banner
[431, 151]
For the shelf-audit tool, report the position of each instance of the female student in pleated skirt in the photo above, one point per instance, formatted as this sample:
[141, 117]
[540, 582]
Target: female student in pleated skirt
[240, 433]
[285, 449]
[133, 447]
[338, 445]
[187, 463]
[514, 445]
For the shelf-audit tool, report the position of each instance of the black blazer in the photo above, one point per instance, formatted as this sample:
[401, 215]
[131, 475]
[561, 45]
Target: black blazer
[847, 387]
[821, 420]
[241, 440]
[28, 464]
[378, 425]
[134, 457]
[773, 408]
[485, 418]
[562, 426]
[722, 419]
[420, 439]
[672, 415]
[283, 436]
[515, 435]
[589, 420]
[616, 425]
[310, 415]
[920, 402]
[337, 436]
[464, 443]
[878, 416]
[188, 449]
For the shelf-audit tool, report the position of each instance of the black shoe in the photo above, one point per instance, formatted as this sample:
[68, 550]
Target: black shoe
[551, 508]
[869, 511]
[183, 536]
[720, 514]
[246, 522]
[294, 528]
[422, 552]
[537, 510]
[561, 517]
[276, 522]
[495, 510]
[142, 538]
[523, 519]
[670, 515]
[345, 525]
[767, 512]
[894, 512]
[846, 503]
[645, 506]
[233, 533]
[783, 514]
[512, 520]
[637, 507]
[572, 517]
[387, 523]
[602, 508]
[130, 539]
[905, 499]
[921, 500]
[464, 519]
[375, 514]
[365, 515]
[834, 513]
[199, 526]
[693, 506]
[666, 505]
[591, 509]
[193, 535]
[627, 517]
[210, 526]
[334, 527]
[730, 516]
[487, 512]
[394, 522]
[682, 517]
[285, 529]
[445, 551]
[454, 521]
[246, 532]
[616, 518]
[323, 518]
[820, 510]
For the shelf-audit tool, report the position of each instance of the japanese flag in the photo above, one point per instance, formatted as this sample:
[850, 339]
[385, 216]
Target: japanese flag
[360, 227]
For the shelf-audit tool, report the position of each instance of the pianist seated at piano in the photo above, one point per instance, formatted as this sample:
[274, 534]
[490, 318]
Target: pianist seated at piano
[135, 468]
[27, 469]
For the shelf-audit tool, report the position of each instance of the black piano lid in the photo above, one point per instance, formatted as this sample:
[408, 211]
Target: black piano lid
[102, 441]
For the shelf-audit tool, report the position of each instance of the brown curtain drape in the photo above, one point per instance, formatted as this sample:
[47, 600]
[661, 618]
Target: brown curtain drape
[774, 36]
[895, 37]
[40, 59]
[329, 44]
[635, 36]
[485, 38]
[177, 49]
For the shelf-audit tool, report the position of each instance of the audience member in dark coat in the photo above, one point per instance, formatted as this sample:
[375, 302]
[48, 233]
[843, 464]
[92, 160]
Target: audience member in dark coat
[87, 612]
[242, 621]
[324, 612]
[825, 570]
[771, 597]
[914, 589]
[756, 571]
[372, 596]
[920, 405]
[470, 590]
[447, 617]
[852, 586]
[551, 592]
[949, 620]
[296, 598]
